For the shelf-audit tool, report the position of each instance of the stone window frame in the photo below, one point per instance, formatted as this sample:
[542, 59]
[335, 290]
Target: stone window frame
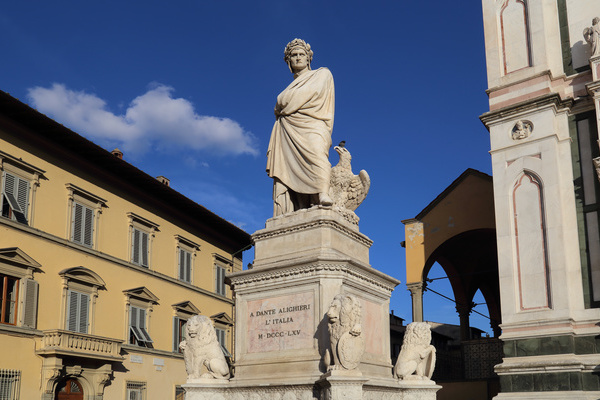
[225, 265]
[84, 281]
[139, 298]
[17, 264]
[185, 245]
[182, 312]
[77, 195]
[25, 171]
[144, 226]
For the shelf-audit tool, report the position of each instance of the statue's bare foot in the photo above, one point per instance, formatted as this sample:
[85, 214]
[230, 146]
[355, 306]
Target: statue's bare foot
[324, 199]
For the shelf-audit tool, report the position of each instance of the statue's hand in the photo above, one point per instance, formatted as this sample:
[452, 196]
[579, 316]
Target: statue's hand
[356, 330]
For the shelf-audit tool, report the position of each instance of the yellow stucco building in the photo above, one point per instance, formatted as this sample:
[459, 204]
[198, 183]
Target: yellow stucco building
[100, 266]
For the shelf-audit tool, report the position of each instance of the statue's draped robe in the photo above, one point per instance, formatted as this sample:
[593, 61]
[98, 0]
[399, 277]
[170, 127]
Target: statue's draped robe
[595, 40]
[301, 137]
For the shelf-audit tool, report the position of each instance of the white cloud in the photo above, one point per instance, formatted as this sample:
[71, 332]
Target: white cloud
[154, 119]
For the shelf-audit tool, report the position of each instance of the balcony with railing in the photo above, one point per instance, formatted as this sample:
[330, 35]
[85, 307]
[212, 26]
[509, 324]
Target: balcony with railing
[58, 342]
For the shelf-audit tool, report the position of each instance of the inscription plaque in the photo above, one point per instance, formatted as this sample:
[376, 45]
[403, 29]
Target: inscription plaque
[281, 323]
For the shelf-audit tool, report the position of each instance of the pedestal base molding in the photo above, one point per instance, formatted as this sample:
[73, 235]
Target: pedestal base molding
[329, 387]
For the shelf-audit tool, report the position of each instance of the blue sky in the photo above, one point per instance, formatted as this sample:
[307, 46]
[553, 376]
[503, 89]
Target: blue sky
[187, 88]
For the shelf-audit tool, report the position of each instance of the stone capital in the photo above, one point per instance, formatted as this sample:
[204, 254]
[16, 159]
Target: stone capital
[415, 288]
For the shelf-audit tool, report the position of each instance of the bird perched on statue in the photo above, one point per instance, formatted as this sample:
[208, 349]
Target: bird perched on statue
[347, 190]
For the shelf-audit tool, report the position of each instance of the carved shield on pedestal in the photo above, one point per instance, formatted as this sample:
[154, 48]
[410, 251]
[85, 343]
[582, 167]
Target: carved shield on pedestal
[350, 350]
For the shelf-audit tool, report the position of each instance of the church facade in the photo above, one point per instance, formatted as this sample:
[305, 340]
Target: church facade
[543, 80]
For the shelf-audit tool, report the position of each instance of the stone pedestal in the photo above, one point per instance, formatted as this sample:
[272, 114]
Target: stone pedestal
[302, 261]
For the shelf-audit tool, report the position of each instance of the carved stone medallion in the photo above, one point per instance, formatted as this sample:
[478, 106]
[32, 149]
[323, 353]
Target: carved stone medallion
[521, 130]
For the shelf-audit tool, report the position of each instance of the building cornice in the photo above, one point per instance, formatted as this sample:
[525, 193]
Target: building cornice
[58, 142]
[552, 99]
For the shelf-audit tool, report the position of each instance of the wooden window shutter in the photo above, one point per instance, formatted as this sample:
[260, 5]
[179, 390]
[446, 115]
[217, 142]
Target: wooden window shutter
[31, 302]
[72, 302]
[88, 227]
[176, 334]
[142, 326]
[23, 195]
[144, 247]
[77, 223]
[135, 245]
[182, 264]
[142, 318]
[188, 266]
[84, 303]
[16, 191]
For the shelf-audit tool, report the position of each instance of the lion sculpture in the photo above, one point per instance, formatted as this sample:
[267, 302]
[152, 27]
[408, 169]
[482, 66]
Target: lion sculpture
[347, 344]
[201, 348]
[417, 356]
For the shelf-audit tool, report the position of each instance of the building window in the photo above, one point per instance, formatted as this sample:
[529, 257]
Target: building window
[82, 228]
[9, 292]
[136, 391]
[222, 266]
[179, 325]
[186, 253]
[10, 384]
[223, 324]
[80, 291]
[137, 325]
[220, 280]
[85, 211]
[139, 247]
[140, 303]
[78, 307]
[18, 187]
[142, 231]
[185, 266]
[221, 337]
[183, 311]
[15, 197]
[18, 290]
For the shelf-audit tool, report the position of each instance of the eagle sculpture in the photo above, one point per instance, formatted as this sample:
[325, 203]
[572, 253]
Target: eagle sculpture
[347, 190]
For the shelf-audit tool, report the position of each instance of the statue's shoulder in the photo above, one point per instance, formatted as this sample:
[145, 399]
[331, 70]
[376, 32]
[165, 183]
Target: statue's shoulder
[323, 71]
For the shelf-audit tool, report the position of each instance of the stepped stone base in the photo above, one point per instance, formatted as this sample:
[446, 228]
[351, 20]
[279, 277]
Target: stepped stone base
[328, 388]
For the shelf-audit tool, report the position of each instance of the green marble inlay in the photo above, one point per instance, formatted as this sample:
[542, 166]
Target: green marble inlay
[585, 345]
[590, 381]
[575, 381]
[505, 383]
[556, 345]
[528, 347]
[510, 348]
[522, 383]
[550, 382]
[565, 344]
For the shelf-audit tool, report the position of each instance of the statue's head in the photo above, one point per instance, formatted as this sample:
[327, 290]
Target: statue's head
[297, 44]
[594, 21]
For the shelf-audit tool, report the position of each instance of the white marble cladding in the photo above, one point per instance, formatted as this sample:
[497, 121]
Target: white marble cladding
[506, 24]
[317, 231]
[580, 14]
[536, 223]
[273, 344]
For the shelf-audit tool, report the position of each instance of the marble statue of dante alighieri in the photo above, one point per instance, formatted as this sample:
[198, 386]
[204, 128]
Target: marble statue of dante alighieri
[297, 158]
